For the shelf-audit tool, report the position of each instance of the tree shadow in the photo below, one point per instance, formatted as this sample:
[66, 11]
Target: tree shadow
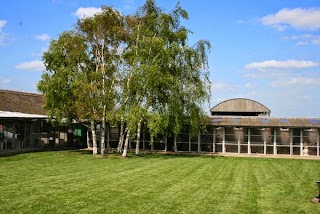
[14, 152]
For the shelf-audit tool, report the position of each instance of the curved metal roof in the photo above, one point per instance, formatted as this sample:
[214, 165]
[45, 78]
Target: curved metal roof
[240, 105]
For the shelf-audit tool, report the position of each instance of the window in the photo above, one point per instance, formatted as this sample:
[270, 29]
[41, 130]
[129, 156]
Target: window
[77, 132]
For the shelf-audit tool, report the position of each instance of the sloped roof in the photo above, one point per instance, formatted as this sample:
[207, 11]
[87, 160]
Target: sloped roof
[240, 105]
[22, 102]
[265, 122]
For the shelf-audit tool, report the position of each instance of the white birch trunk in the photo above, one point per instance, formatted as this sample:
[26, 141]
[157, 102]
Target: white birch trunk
[175, 148]
[125, 149]
[138, 138]
[120, 144]
[94, 138]
[88, 140]
[108, 137]
[103, 134]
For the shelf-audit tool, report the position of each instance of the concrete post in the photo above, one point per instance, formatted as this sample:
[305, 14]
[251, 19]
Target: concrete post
[189, 141]
[291, 141]
[301, 141]
[265, 142]
[274, 141]
[224, 141]
[239, 143]
[214, 141]
[318, 146]
[199, 139]
[249, 141]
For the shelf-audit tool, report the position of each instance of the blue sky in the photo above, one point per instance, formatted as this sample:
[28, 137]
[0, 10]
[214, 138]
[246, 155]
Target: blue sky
[266, 50]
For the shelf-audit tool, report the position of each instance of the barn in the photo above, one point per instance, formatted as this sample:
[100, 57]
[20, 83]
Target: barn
[235, 126]
[24, 124]
[245, 126]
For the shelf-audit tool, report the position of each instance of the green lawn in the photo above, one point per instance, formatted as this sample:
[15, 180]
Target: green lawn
[74, 182]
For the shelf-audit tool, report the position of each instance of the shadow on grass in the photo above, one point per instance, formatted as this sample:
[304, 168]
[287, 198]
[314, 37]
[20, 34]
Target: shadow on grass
[148, 154]
[176, 155]
[8, 153]
[110, 154]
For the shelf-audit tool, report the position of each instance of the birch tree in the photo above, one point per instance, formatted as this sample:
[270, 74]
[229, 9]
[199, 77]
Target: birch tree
[103, 33]
[167, 80]
[67, 97]
[81, 71]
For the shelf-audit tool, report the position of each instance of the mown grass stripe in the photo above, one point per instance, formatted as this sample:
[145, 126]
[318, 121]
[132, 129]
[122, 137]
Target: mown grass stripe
[73, 182]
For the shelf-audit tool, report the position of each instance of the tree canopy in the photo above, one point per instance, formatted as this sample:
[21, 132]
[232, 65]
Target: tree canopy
[136, 68]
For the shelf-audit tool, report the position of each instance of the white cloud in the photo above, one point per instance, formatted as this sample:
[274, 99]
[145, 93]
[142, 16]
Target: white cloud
[84, 12]
[2, 39]
[298, 18]
[217, 85]
[2, 24]
[220, 86]
[219, 100]
[297, 81]
[306, 39]
[4, 81]
[42, 37]
[35, 65]
[274, 64]
[2, 35]
[130, 5]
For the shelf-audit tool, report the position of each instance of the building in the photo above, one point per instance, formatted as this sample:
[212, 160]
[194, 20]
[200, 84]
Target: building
[24, 124]
[235, 126]
[244, 126]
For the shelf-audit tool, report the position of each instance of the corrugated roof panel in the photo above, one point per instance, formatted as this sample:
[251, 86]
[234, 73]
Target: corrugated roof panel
[23, 102]
[282, 120]
[314, 121]
[217, 119]
[264, 120]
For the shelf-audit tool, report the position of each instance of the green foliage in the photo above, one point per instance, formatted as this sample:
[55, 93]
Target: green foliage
[64, 60]
[138, 67]
[157, 124]
[81, 69]
[165, 76]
